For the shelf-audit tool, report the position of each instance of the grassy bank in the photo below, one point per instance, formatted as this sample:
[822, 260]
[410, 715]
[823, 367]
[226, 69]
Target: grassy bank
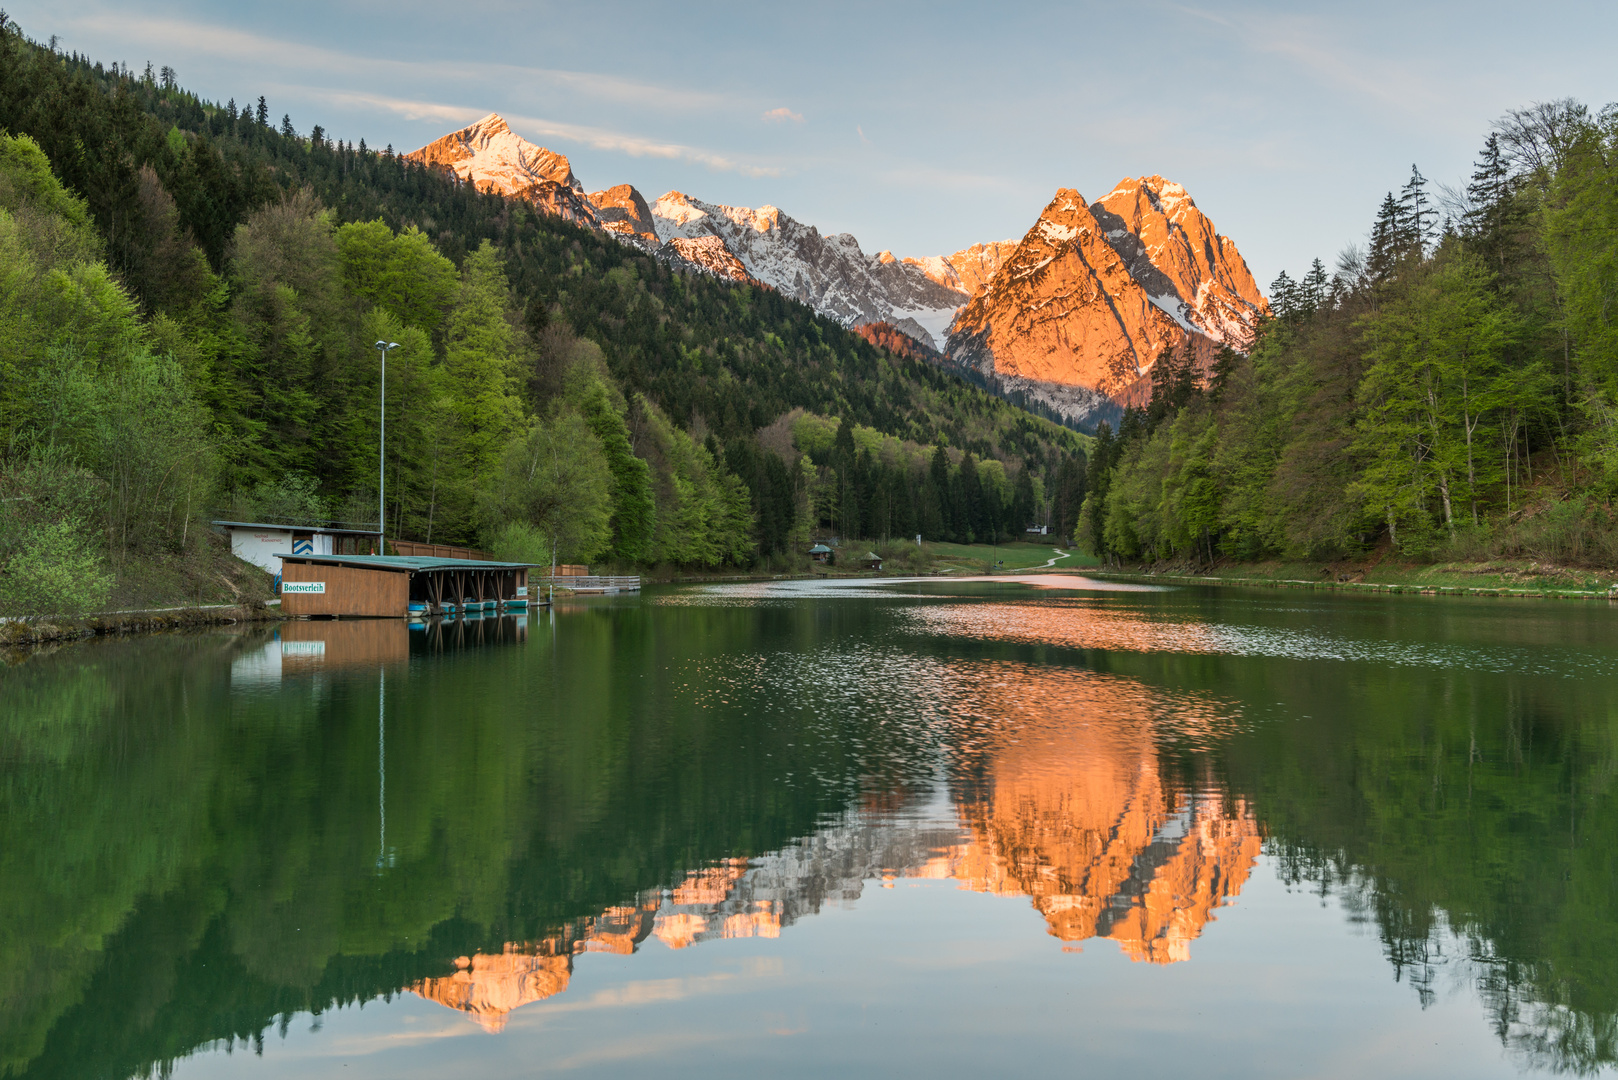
[977, 558]
[1497, 577]
[204, 585]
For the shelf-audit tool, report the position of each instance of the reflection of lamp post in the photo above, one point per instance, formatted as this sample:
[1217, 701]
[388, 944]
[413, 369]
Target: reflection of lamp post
[381, 767]
[382, 452]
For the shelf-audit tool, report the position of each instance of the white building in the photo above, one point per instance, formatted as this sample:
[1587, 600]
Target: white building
[263, 544]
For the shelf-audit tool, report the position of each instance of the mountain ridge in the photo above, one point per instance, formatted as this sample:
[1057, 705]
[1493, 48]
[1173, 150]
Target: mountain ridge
[1095, 294]
[1074, 314]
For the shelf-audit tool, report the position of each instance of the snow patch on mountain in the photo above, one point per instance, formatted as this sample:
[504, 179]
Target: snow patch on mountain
[831, 274]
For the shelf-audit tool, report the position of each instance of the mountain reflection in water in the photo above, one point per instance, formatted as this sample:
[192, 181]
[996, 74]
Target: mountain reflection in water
[202, 836]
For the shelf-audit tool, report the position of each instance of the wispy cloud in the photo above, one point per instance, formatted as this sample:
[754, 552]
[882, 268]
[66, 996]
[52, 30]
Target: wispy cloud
[861, 132]
[1321, 51]
[783, 114]
[542, 128]
[221, 42]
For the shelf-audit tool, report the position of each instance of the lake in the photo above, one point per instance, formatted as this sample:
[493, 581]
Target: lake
[934, 828]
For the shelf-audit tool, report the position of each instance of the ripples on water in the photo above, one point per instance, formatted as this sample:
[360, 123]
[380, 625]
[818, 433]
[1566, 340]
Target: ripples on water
[720, 763]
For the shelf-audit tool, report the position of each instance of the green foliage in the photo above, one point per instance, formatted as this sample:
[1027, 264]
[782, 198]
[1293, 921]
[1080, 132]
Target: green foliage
[589, 390]
[555, 480]
[26, 180]
[1438, 397]
[1581, 237]
[293, 499]
[1431, 397]
[519, 541]
[57, 570]
[402, 274]
[704, 515]
[480, 366]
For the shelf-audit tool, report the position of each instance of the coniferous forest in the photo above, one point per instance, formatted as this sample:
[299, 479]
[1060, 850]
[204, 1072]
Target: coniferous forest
[190, 298]
[1449, 391]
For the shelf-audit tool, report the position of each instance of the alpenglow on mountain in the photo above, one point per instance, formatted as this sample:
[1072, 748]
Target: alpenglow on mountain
[829, 273]
[1094, 295]
[1073, 316]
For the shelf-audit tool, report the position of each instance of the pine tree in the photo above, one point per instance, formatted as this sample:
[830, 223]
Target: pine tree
[939, 523]
[1282, 299]
[1312, 291]
[1386, 240]
[1102, 459]
[286, 127]
[263, 115]
[1418, 221]
[843, 460]
[974, 515]
[1488, 198]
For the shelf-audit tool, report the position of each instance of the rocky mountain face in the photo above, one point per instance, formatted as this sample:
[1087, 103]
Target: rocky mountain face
[969, 269]
[489, 155]
[710, 253]
[1073, 316]
[622, 210]
[1085, 305]
[829, 273]
[763, 246]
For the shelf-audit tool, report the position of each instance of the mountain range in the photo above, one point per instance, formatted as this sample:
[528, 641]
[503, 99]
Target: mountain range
[1074, 315]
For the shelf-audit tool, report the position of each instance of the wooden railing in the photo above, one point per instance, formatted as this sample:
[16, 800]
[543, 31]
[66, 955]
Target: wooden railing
[582, 583]
[411, 548]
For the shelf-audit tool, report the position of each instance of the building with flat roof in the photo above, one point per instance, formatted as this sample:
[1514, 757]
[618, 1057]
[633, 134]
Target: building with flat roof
[261, 543]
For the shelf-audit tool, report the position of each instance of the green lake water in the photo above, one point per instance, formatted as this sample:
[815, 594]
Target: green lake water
[970, 828]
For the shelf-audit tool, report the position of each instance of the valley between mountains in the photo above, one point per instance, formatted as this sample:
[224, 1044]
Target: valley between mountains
[1073, 316]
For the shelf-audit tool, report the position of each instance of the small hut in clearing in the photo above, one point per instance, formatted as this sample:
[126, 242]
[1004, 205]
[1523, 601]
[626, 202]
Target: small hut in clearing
[871, 561]
[820, 553]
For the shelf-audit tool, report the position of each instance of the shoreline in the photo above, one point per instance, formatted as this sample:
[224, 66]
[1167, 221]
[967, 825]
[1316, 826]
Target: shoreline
[1407, 588]
[26, 630]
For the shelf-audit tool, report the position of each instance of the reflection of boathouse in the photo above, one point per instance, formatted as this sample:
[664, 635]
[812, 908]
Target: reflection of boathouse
[327, 646]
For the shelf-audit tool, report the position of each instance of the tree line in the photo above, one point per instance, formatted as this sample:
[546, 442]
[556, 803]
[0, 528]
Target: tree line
[556, 393]
[1449, 390]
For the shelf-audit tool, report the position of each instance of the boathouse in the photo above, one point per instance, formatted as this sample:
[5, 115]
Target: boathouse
[397, 586]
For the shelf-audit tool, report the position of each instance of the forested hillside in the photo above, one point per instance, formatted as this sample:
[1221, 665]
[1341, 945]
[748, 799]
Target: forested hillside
[1449, 392]
[190, 296]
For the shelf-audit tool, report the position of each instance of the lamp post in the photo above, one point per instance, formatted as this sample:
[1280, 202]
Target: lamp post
[382, 454]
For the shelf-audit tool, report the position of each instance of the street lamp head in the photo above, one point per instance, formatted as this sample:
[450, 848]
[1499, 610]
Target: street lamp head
[386, 345]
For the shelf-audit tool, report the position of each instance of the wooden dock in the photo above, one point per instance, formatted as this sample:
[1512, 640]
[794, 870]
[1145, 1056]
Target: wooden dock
[583, 583]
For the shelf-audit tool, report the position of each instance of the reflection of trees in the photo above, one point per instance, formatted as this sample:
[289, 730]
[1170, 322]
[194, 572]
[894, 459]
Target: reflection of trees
[1065, 804]
[184, 860]
[1470, 818]
[1469, 815]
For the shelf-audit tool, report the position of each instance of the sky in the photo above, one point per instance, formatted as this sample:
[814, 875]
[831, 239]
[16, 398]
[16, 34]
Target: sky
[920, 128]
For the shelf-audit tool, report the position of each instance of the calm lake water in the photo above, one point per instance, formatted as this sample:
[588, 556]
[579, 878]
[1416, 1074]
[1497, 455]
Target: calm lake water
[803, 829]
